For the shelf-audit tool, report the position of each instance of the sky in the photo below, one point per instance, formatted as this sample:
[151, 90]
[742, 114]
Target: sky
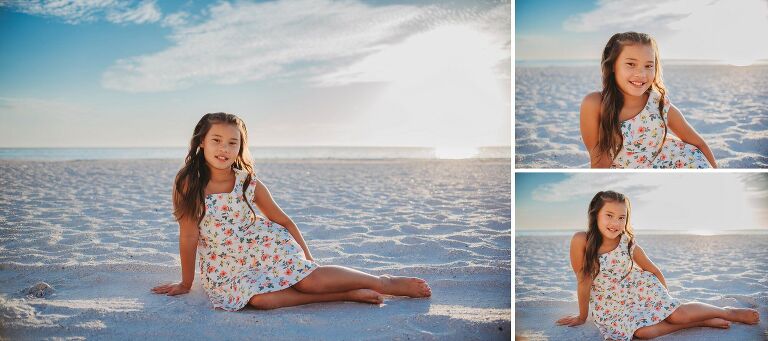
[660, 201]
[719, 30]
[107, 73]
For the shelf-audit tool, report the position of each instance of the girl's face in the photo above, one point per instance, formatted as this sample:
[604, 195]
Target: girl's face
[221, 145]
[635, 69]
[611, 219]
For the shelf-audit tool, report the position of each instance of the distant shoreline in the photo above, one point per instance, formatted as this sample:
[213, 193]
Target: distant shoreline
[596, 62]
[259, 153]
[656, 232]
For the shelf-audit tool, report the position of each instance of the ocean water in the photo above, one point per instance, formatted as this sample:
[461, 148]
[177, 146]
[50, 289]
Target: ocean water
[259, 153]
[727, 105]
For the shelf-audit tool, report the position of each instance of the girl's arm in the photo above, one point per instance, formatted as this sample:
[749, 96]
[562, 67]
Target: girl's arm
[273, 212]
[589, 123]
[188, 236]
[642, 260]
[578, 249]
[687, 134]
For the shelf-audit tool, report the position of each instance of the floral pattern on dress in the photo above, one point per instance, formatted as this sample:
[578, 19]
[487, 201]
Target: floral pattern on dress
[643, 134]
[241, 254]
[620, 305]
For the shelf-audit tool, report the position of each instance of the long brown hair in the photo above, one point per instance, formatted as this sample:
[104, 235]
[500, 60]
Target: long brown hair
[609, 140]
[190, 182]
[594, 239]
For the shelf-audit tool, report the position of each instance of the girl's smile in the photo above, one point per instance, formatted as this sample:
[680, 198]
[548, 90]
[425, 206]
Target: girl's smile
[612, 219]
[221, 145]
[634, 69]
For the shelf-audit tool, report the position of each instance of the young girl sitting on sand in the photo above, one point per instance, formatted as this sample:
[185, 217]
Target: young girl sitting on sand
[625, 125]
[245, 258]
[627, 293]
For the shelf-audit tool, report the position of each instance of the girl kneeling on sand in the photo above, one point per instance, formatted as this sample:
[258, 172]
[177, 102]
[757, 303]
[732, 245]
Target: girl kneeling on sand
[625, 292]
[243, 257]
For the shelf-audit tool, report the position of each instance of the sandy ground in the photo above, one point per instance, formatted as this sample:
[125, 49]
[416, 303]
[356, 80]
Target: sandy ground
[727, 105]
[102, 234]
[727, 270]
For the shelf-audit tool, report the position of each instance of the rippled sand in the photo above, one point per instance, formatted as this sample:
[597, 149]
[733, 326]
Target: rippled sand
[729, 270]
[727, 105]
[102, 234]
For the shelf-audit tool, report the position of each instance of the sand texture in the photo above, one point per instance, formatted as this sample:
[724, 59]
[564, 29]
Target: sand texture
[728, 270]
[101, 234]
[726, 105]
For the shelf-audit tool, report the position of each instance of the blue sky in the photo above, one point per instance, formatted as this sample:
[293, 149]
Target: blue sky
[301, 73]
[719, 30]
[693, 201]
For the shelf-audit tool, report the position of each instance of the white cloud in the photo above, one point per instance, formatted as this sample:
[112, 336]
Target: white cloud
[78, 11]
[685, 29]
[176, 19]
[617, 14]
[699, 201]
[245, 41]
[583, 185]
[447, 48]
[146, 12]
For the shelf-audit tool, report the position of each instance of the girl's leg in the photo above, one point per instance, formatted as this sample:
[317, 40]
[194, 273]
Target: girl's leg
[291, 297]
[664, 327]
[332, 278]
[695, 311]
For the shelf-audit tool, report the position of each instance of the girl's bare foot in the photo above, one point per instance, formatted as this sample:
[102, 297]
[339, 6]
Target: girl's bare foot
[743, 315]
[405, 286]
[716, 323]
[366, 296]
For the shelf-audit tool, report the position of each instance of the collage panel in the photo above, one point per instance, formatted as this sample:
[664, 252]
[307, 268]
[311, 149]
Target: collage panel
[612, 256]
[591, 91]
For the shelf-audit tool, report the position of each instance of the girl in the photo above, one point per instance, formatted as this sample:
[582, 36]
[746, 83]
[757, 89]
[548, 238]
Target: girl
[625, 125]
[627, 292]
[243, 257]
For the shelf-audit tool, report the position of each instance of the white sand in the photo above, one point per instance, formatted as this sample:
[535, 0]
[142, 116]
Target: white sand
[727, 105]
[728, 270]
[101, 233]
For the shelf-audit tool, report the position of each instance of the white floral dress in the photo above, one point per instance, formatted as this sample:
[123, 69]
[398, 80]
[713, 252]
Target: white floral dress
[643, 134]
[620, 305]
[241, 254]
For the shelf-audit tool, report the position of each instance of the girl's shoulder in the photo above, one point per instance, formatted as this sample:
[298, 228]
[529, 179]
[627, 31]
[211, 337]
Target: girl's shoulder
[579, 240]
[593, 98]
[590, 105]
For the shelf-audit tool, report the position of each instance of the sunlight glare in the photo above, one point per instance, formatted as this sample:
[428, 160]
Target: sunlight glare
[719, 30]
[443, 88]
[455, 153]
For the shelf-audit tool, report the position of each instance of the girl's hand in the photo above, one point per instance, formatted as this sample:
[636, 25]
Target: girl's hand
[171, 289]
[571, 321]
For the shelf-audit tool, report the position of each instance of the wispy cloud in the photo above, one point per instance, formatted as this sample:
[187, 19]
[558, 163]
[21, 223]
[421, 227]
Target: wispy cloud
[692, 29]
[146, 12]
[245, 41]
[617, 14]
[78, 11]
[176, 19]
[478, 37]
[587, 184]
[703, 201]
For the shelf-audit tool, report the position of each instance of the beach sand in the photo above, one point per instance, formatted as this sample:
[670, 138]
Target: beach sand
[725, 270]
[102, 234]
[727, 105]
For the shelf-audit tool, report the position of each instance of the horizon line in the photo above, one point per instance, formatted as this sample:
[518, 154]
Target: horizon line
[294, 146]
